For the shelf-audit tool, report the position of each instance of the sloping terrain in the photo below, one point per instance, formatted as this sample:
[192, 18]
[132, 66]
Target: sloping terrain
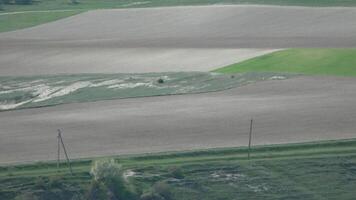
[170, 39]
[293, 110]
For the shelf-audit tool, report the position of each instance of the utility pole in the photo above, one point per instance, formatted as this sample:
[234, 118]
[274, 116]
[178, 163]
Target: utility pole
[65, 152]
[249, 140]
[58, 150]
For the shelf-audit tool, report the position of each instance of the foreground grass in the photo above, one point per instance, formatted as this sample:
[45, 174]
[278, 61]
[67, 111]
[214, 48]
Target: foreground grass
[323, 170]
[24, 20]
[340, 62]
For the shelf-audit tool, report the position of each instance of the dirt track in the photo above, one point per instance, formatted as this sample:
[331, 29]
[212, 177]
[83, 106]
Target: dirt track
[293, 110]
[170, 39]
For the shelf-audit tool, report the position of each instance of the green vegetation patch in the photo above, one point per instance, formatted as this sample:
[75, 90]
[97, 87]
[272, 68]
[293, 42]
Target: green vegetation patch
[340, 62]
[37, 91]
[23, 20]
[318, 170]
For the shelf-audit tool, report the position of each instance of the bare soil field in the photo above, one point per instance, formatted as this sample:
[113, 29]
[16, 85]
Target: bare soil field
[170, 39]
[293, 110]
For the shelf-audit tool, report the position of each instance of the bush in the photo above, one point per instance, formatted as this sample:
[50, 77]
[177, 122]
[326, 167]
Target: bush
[105, 169]
[97, 191]
[160, 81]
[110, 173]
[163, 189]
[176, 172]
[159, 191]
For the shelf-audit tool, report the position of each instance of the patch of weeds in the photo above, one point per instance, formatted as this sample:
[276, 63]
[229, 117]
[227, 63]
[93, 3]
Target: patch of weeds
[176, 172]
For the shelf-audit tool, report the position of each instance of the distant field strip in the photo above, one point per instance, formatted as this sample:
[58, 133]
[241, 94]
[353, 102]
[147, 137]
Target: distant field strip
[94, 4]
[24, 19]
[26, 92]
[341, 62]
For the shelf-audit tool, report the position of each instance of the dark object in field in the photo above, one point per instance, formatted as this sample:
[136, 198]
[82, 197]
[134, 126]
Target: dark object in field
[160, 81]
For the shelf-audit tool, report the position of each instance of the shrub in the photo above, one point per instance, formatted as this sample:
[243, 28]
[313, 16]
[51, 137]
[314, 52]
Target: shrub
[163, 189]
[40, 183]
[105, 169]
[176, 172]
[110, 173]
[160, 81]
[97, 191]
[159, 191]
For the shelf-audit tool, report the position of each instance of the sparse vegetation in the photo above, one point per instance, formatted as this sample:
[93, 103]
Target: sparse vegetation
[274, 172]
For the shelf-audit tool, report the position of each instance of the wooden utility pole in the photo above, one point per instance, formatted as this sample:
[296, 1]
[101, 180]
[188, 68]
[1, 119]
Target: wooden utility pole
[65, 152]
[249, 140]
[58, 150]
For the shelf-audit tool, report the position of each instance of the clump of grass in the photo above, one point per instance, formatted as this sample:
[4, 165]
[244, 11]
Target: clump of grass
[176, 172]
[159, 191]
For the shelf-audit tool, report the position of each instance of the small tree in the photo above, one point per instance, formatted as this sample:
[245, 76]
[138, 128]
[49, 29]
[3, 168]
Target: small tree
[110, 173]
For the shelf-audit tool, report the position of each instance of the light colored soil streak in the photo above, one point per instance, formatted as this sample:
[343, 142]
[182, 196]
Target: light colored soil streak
[293, 110]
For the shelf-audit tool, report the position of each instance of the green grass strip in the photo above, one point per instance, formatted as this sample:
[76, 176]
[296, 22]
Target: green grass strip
[24, 20]
[338, 62]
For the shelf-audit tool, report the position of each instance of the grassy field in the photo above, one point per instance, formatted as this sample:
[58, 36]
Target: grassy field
[24, 20]
[340, 62]
[322, 170]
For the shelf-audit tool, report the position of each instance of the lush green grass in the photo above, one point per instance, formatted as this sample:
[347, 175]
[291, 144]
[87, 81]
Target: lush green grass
[321, 170]
[24, 20]
[341, 62]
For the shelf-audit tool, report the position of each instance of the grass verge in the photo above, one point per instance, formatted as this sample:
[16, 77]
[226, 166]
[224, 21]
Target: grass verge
[340, 62]
[315, 170]
[24, 20]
